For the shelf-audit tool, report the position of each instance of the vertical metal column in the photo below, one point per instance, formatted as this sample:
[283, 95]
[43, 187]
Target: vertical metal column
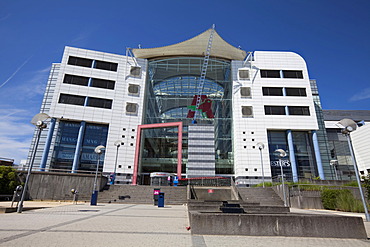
[47, 143]
[317, 155]
[76, 158]
[292, 155]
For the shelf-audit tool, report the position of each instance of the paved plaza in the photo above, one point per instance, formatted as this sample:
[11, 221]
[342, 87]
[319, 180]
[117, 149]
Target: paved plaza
[67, 224]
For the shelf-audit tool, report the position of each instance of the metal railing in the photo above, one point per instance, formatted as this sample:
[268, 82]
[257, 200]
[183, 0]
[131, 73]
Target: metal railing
[206, 181]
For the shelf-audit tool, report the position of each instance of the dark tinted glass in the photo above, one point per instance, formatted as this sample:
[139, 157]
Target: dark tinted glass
[71, 99]
[106, 65]
[295, 92]
[274, 110]
[293, 74]
[101, 83]
[76, 80]
[84, 62]
[299, 110]
[100, 103]
[272, 91]
[270, 73]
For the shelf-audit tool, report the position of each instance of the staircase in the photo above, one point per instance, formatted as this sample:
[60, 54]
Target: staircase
[136, 194]
[264, 196]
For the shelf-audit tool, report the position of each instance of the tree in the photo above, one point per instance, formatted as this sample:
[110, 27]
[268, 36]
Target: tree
[8, 180]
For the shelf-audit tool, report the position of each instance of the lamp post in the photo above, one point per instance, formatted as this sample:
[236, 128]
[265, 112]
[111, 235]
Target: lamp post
[94, 197]
[117, 144]
[38, 121]
[348, 125]
[261, 146]
[334, 163]
[281, 154]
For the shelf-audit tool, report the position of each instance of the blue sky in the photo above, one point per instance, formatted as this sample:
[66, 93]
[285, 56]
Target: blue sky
[332, 35]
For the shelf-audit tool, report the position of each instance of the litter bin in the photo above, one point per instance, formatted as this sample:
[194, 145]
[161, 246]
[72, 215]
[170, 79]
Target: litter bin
[161, 200]
[155, 196]
[94, 198]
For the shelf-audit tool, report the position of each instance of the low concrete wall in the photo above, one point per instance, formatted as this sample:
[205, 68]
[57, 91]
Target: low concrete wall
[290, 225]
[57, 186]
[306, 202]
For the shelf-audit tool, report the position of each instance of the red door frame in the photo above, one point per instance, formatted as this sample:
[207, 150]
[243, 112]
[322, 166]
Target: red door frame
[138, 144]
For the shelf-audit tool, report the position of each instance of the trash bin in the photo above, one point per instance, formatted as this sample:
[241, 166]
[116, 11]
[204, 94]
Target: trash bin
[155, 196]
[161, 200]
[94, 198]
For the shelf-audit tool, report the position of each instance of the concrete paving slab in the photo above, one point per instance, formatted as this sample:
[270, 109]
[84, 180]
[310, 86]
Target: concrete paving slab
[128, 225]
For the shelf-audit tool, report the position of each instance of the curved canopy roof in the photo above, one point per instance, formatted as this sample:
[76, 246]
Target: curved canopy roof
[194, 47]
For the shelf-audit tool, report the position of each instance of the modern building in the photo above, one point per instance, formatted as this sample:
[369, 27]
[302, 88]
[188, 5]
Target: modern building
[340, 155]
[142, 106]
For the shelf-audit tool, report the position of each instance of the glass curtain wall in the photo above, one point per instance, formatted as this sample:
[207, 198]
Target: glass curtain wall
[171, 91]
[305, 160]
[66, 141]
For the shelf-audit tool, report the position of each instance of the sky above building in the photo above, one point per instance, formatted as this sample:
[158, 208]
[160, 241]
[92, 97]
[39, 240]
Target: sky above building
[332, 36]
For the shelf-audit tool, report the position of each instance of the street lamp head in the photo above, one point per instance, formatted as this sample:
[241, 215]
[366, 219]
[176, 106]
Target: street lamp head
[280, 152]
[117, 143]
[99, 149]
[347, 125]
[260, 145]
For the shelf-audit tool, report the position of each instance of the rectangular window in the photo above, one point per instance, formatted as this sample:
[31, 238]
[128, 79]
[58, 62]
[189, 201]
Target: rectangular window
[79, 61]
[76, 80]
[71, 99]
[100, 103]
[106, 65]
[270, 73]
[272, 91]
[293, 74]
[274, 110]
[101, 83]
[295, 92]
[299, 110]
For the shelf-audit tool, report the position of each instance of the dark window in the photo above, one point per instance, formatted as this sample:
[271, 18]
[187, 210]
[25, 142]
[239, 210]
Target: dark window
[71, 99]
[133, 89]
[135, 71]
[299, 110]
[295, 92]
[293, 74]
[131, 107]
[245, 91]
[270, 73]
[106, 65]
[274, 110]
[79, 61]
[247, 111]
[100, 103]
[272, 91]
[101, 83]
[76, 80]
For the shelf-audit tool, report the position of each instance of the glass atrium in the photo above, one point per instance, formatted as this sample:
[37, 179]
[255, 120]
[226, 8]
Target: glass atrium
[171, 91]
